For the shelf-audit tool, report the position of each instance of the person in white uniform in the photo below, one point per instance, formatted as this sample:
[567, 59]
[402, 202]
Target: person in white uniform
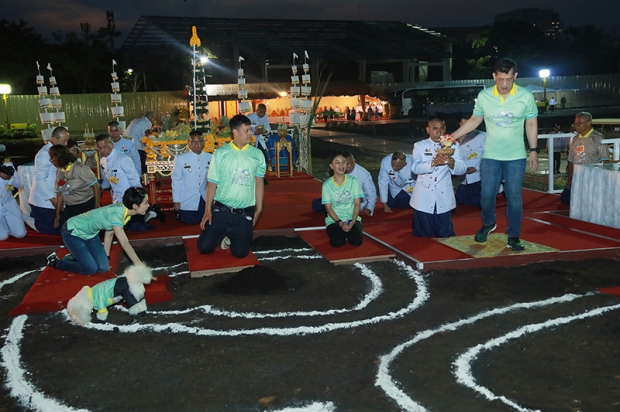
[261, 128]
[189, 181]
[396, 181]
[119, 174]
[11, 222]
[137, 130]
[472, 147]
[42, 197]
[364, 178]
[433, 197]
[124, 144]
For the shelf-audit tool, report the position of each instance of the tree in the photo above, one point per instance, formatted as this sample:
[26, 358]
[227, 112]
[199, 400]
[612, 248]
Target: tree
[22, 47]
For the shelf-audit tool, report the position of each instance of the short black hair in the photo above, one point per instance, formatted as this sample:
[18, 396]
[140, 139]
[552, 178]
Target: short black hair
[103, 136]
[335, 154]
[195, 133]
[437, 118]
[71, 143]
[504, 66]
[62, 154]
[113, 123]
[239, 120]
[133, 196]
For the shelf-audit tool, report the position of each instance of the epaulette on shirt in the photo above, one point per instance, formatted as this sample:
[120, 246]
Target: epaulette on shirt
[128, 138]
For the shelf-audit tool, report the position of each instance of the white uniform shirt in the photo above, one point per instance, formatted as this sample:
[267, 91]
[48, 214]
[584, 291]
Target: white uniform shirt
[119, 173]
[471, 151]
[260, 121]
[42, 189]
[364, 178]
[189, 179]
[434, 183]
[394, 181]
[136, 130]
[128, 147]
[11, 221]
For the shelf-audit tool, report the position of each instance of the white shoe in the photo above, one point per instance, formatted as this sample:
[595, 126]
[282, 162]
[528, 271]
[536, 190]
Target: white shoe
[149, 215]
[225, 243]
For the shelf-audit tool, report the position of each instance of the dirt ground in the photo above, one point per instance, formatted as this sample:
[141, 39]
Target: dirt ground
[300, 334]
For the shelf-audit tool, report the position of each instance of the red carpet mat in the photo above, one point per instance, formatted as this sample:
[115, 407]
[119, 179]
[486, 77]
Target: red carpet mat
[220, 261]
[369, 251]
[615, 291]
[53, 288]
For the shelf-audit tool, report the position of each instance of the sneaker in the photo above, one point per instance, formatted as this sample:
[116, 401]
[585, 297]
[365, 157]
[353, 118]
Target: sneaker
[52, 260]
[483, 233]
[225, 243]
[515, 244]
[149, 215]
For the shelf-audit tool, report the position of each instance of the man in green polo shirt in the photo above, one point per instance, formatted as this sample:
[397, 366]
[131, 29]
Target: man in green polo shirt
[507, 110]
[235, 191]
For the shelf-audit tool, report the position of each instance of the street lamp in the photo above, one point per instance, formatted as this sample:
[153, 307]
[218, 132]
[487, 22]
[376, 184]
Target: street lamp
[4, 90]
[544, 73]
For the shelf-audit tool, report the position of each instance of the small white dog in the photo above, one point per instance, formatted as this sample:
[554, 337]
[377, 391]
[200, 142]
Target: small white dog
[129, 288]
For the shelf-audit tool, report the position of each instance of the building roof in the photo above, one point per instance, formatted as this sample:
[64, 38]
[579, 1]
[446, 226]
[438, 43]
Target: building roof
[278, 39]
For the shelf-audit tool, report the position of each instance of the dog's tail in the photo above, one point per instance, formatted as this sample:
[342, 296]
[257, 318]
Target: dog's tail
[139, 274]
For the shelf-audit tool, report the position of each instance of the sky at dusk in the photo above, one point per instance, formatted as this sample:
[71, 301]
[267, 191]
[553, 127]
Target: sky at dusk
[66, 15]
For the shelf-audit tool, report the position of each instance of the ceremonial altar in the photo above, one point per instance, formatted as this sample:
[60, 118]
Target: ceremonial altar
[595, 194]
[162, 147]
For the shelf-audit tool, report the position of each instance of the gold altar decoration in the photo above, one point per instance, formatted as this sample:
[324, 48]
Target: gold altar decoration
[288, 146]
[162, 147]
[446, 150]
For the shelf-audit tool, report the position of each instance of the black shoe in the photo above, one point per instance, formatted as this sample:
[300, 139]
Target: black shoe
[483, 233]
[159, 214]
[515, 244]
[52, 260]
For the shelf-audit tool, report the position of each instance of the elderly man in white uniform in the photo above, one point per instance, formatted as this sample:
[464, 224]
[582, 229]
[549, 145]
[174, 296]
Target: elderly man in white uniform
[119, 174]
[396, 181]
[364, 178]
[189, 181]
[42, 195]
[125, 145]
[136, 130]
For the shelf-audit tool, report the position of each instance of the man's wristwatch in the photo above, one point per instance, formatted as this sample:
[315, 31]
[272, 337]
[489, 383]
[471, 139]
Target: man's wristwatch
[534, 149]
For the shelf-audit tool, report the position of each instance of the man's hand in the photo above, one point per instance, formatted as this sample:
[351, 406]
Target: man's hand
[176, 206]
[206, 218]
[56, 222]
[256, 215]
[386, 208]
[533, 161]
[450, 162]
[471, 170]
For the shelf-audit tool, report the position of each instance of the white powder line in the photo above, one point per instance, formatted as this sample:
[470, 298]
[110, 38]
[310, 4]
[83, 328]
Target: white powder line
[315, 407]
[18, 277]
[306, 257]
[375, 290]
[19, 387]
[391, 388]
[463, 363]
[169, 267]
[264, 252]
